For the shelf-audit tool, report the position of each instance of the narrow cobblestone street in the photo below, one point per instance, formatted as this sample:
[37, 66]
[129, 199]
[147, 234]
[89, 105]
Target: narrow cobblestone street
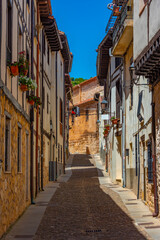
[80, 209]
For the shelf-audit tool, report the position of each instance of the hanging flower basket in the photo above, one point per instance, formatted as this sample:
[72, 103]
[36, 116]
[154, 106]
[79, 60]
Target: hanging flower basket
[14, 69]
[23, 64]
[34, 99]
[73, 112]
[31, 84]
[31, 102]
[105, 132]
[105, 135]
[107, 127]
[114, 120]
[116, 11]
[23, 87]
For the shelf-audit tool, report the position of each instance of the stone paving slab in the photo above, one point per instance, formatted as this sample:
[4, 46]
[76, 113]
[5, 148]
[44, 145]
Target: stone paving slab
[138, 211]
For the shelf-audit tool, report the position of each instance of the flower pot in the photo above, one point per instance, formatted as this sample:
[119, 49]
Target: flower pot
[22, 70]
[114, 121]
[107, 128]
[31, 102]
[14, 70]
[24, 88]
[116, 11]
[105, 132]
[105, 135]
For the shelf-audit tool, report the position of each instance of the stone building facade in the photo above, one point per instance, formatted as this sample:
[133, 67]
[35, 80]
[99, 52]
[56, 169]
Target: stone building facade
[84, 132]
[28, 133]
[130, 98]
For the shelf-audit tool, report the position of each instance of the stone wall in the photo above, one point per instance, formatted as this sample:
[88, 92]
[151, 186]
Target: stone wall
[84, 136]
[14, 194]
[157, 126]
[84, 132]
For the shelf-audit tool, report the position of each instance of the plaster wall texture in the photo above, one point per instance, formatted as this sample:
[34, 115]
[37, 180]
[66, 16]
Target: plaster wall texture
[140, 22]
[132, 127]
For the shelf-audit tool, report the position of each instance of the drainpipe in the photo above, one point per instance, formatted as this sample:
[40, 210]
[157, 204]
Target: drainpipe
[32, 109]
[156, 208]
[42, 94]
[123, 127]
[37, 93]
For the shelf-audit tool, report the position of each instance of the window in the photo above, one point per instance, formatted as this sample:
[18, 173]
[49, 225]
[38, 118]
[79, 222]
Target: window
[9, 32]
[117, 62]
[61, 116]
[48, 55]
[19, 150]
[136, 154]
[58, 152]
[131, 96]
[150, 162]
[87, 115]
[61, 154]
[118, 98]
[27, 166]
[7, 144]
[44, 44]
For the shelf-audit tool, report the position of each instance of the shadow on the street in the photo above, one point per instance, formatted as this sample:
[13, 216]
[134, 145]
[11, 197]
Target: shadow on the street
[81, 210]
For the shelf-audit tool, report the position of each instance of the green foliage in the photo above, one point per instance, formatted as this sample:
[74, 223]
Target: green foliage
[76, 81]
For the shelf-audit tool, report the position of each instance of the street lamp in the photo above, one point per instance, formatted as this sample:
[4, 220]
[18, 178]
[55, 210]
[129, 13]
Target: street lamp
[104, 105]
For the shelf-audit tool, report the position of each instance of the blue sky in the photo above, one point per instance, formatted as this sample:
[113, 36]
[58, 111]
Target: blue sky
[84, 23]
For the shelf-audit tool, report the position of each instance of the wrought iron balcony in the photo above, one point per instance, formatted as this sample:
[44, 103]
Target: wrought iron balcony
[121, 22]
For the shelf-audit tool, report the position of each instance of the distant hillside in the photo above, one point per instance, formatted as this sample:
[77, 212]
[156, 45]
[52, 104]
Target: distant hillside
[76, 81]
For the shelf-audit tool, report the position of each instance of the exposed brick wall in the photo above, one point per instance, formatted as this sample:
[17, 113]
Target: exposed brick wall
[84, 135]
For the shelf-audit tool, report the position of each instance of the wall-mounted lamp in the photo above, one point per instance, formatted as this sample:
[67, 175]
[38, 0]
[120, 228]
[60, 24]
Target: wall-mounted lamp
[104, 105]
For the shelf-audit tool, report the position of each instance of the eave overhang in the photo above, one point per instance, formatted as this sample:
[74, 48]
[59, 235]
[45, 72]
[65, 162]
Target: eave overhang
[45, 7]
[51, 30]
[103, 58]
[67, 55]
[68, 87]
[148, 62]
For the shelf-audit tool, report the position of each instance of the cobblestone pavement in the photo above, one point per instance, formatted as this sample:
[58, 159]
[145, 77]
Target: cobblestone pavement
[80, 209]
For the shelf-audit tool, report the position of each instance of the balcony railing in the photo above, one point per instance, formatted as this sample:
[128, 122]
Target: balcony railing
[126, 13]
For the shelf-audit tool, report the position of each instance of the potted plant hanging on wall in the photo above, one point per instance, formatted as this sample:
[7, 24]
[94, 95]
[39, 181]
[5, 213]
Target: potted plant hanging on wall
[114, 120]
[26, 83]
[14, 69]
[34, 99]
[107, 127]
[116, 11]
[23, 64]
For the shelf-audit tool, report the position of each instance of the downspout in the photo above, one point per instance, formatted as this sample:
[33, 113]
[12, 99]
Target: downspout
[42, 94]
[156, 208]
[32, 108]
[37, 93]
